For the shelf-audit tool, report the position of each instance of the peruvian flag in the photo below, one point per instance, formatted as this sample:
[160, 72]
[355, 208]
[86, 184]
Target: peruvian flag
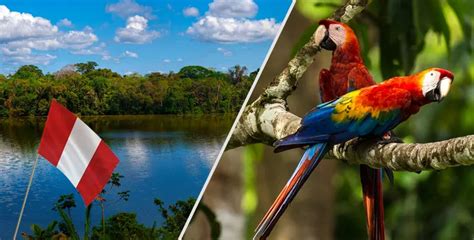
[77, 151]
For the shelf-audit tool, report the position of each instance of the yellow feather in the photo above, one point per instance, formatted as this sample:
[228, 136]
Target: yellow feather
[347, 108]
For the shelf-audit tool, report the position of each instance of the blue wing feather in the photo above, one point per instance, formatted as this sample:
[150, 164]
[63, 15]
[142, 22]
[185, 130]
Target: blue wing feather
[318, 127]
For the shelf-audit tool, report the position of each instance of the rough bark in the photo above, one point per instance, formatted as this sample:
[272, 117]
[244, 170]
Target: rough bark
[408, 156]
[268, 119]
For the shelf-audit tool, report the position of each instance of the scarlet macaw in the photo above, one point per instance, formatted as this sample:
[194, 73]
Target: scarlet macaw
[369, 111]
[348, 72]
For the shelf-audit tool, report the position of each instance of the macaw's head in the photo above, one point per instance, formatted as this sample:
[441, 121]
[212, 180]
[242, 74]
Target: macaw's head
[435, 83]
[332, 34]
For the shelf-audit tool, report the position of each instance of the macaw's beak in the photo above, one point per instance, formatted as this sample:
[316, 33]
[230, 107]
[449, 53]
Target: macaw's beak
[433, 95]
[323, 39]
[441, 90]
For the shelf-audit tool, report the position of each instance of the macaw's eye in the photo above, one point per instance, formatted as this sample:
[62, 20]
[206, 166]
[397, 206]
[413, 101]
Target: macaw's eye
[431, 74]
[338, 28]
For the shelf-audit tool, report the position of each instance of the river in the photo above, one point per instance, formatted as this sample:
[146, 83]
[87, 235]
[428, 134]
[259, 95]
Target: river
[165, 157]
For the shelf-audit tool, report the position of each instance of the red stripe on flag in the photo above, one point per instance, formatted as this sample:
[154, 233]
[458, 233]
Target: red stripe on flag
[97, 173]
[56, 132]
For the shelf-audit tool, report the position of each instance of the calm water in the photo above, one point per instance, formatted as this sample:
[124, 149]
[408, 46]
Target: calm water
[166, 157]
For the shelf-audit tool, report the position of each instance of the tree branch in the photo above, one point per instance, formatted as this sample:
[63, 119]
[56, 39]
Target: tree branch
[268, 119]
[412, 157]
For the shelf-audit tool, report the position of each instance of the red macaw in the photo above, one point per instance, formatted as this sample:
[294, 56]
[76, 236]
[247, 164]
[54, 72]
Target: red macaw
[369, 111]
[348, 72]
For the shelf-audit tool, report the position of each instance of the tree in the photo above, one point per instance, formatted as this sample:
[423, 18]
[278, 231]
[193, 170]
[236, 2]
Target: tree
[98, 91]
[123, 226]
[195, 72]
[29, 72]
[87, 67]
[65, 202]
[236, 73]
[66, 71]
[175, 217]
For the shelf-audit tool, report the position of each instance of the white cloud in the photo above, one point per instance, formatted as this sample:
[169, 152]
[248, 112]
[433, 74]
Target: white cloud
[233, 8]
[93, 50]
[64, 23]
[99, 50]
[191, 12]
[179, 60]
[62, 40]
[110, 58]
[127, 8]
[78, 39]
[15, 25]
[23, 34]
[130, 54]
[166, 61]
[232, 30]
[42, 44]
[23, 56]
[228, 21]
[224, 51]
[136, 31]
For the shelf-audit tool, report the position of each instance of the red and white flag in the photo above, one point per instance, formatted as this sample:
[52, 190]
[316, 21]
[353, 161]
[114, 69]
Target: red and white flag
[77, 151]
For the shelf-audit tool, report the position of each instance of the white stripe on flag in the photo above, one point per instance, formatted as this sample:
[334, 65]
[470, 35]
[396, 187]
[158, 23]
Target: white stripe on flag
[78, 152]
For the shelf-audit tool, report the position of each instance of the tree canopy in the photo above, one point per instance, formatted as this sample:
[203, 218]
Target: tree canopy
[88, 90]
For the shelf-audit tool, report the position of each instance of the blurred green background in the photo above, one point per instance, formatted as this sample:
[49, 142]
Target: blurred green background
[397, 37]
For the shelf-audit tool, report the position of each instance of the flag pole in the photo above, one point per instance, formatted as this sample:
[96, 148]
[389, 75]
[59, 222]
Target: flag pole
[26, 196]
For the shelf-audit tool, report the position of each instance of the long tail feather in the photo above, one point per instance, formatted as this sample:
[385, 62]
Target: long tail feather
[373, 201]
[307, 164]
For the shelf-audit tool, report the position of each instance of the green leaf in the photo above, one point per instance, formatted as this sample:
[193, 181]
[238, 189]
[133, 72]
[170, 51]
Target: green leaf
[429, 15]
[465, 14]
[68, 223]
[399, 40]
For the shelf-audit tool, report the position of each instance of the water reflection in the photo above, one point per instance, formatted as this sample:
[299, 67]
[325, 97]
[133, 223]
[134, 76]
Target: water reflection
[167, 157]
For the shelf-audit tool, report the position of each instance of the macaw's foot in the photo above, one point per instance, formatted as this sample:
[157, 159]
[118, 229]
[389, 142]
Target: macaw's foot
[389, 138]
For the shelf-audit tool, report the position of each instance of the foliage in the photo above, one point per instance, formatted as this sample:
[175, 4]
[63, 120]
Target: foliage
[49, 232]
[197, 72]
[65, 202]
[85, 89]
[123, 226]
[174, 221]
[237, 74]
[67, 226]
[251, 155]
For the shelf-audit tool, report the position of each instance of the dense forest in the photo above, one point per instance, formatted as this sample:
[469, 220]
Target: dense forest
[88, 90]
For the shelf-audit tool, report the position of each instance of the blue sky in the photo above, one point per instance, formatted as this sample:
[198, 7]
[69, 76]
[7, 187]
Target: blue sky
[137, 35]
